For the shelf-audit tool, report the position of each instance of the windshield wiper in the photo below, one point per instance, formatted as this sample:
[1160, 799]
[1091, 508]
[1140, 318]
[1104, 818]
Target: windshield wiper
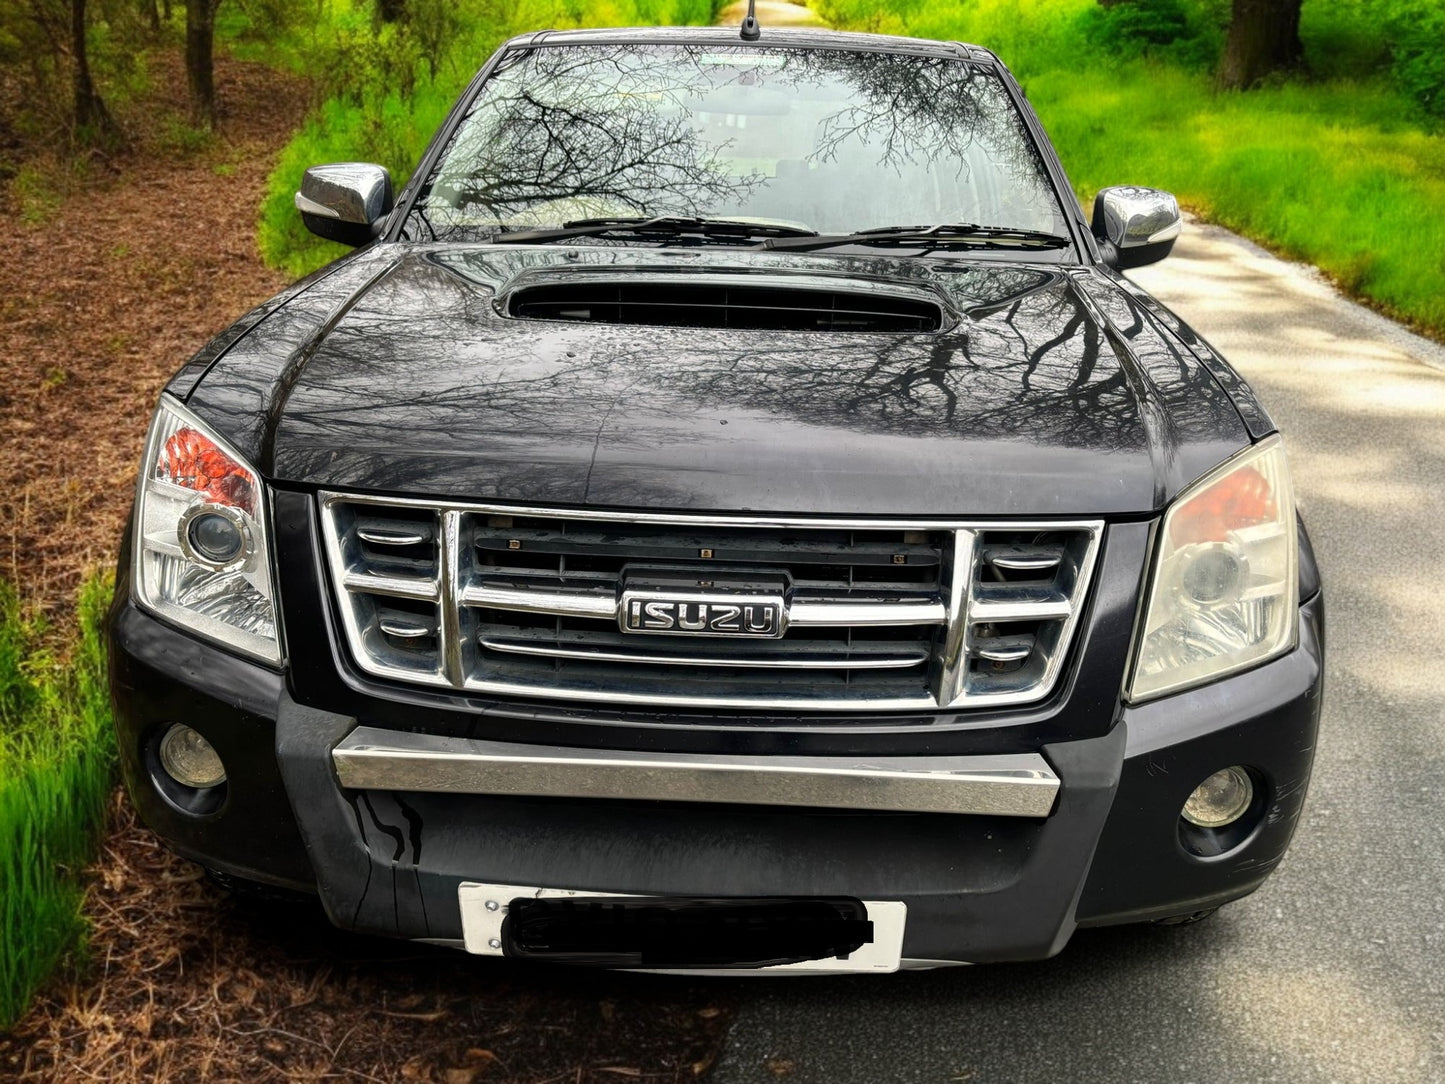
[662, 226]
[929, 236]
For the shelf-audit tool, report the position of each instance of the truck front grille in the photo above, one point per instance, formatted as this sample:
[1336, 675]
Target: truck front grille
[875, 615]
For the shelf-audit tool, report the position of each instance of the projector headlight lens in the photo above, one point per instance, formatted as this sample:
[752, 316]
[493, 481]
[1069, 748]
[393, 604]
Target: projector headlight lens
[214, 536]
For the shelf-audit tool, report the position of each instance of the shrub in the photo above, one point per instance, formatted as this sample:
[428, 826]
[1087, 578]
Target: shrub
[1180, 30]
[1417, 47]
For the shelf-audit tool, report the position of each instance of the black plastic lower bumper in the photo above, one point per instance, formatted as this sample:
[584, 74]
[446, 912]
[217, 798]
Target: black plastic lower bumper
[977, 887]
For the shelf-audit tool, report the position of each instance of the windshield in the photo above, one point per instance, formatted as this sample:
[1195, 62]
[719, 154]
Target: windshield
[822, 140]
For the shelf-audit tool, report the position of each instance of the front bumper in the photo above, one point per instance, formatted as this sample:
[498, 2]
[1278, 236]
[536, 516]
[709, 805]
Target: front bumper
[388, 855]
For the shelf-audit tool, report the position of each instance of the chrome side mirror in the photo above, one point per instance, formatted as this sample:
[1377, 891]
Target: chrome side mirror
[1140, 224]
[346, 201]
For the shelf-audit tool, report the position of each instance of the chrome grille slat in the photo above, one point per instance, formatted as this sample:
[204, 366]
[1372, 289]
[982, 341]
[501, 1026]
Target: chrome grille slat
[561, 603]
[507, 577]
[819, 613]
[403, 629]
[987, 609]
[1021, 560]
[371, 583]
[681, 547]
[844, 660]
[1005, 648]
[881, 615]
[391, 538]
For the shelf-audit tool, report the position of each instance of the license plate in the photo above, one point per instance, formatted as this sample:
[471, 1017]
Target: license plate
[486, 907]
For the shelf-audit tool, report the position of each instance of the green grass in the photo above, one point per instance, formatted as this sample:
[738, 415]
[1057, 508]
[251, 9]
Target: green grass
[1344, 172]
[1326, 173]
[393, 91]
[56, 760]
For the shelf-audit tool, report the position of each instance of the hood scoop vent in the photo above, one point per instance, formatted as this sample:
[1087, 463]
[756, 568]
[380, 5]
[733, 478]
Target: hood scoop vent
[704, 303]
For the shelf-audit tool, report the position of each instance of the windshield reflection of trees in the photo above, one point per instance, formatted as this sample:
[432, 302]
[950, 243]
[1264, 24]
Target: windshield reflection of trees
[582, 131]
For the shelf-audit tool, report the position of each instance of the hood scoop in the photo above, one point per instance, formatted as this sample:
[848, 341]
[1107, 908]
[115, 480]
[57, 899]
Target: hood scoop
[751, 303]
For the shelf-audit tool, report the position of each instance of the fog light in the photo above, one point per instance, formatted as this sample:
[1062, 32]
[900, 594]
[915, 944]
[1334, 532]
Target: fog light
[1221, 799]
[189, 759]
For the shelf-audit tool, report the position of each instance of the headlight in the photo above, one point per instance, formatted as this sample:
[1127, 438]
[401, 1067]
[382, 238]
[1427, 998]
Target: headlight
[201, 553]
[1225, 590]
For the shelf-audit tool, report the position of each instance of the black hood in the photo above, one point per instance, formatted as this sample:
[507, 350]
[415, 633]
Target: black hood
[1048, 390]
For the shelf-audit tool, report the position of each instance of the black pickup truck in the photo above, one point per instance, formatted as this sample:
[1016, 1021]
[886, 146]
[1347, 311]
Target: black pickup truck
[729, 512]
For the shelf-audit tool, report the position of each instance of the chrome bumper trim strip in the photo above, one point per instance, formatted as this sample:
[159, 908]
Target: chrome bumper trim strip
[1014, 785]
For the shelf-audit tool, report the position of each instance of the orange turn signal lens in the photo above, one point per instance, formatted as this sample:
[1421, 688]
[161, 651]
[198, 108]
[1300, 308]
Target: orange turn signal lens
[192, 460]
[1242, 499]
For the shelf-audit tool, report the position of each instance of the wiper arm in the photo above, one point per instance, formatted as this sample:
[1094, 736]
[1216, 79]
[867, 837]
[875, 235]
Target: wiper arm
[962, 233]
[662, 226]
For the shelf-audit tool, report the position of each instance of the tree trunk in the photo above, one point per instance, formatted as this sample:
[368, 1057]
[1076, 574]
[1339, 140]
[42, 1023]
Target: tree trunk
[90, 111]
[200, 66]
[1263, 38]
[152, 14]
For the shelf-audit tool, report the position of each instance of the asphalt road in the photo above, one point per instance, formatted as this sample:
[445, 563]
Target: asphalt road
[1335, 970]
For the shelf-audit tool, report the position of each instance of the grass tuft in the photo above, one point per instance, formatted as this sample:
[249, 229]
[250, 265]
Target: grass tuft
[56, 769]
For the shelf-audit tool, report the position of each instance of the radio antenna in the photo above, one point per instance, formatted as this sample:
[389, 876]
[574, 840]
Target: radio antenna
[751, 31]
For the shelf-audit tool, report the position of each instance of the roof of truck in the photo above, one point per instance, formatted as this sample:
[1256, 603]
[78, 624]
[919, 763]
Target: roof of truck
[781, 37]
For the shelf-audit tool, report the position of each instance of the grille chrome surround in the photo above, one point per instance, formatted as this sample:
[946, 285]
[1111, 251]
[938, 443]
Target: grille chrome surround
[966, 614]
